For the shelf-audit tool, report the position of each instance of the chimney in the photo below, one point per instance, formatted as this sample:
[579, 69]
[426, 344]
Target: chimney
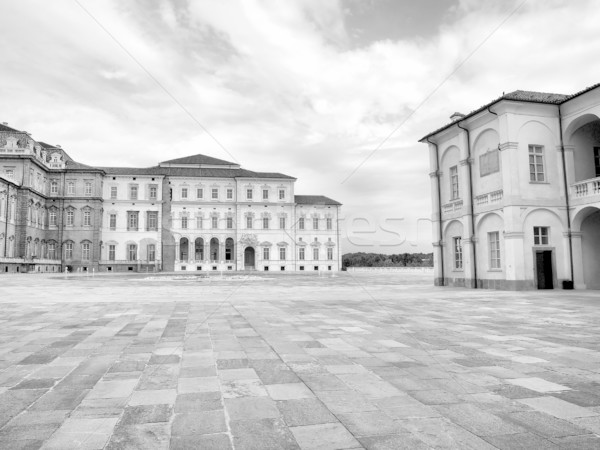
[456, 116]
[58, 146]
[4, 123]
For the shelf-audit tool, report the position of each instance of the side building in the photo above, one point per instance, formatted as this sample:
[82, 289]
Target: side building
[516, 193]
[195, 213]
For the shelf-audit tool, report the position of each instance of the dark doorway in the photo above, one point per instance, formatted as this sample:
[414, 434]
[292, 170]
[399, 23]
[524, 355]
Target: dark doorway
[597, 160]
[249, 258]
[543, 268]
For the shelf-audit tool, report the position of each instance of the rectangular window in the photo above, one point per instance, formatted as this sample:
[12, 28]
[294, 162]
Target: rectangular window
[199, 222]
[282, 223]
[315, 254]
[71, 188]
[184, 222]
[249, 194]
[265, 194]
[111, 252]
[151, 252]
[301, 253]
[229, 194]
[133, 192]
[265, 223]
[494, 245]
[69, 250]
[329, 223]
[10, 174]
[199, 193]
[489, 162]
[152, 220]
[54, 187]
[112, 221]
[70, 218]
[88, 188]
[215, 193]
[281, 194]
[315, 223]
[113, 192]
[248, 222]
[454, 183]
[540, 235]
[282, 253]
[301, 223]
[229, 223]
[266, 253]
[85, 251]
[87, 218]
[184, 193]
[330, 253]
[214, 222]
[458, 254]
[52, 218]
[132, 220]
[51, 250]
[536, 163]
[132, 252]
[153, 191]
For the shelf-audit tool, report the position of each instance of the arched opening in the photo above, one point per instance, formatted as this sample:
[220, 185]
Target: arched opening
[183, 249]
[249, 256]
[199, 249]
[590, 245]
[584, 136]
[214, 249]
[229, 249]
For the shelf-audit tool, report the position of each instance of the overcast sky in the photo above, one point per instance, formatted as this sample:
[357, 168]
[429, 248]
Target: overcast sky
[305, 87]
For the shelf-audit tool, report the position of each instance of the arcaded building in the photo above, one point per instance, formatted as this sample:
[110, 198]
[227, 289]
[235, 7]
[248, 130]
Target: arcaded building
[195, 213]
[516, 193]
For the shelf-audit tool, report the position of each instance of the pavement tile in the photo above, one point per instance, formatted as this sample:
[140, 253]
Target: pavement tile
[203, 441]
[324, 437]
[153, 397]
[585, 442]
[557, 407]
[477, 420]
[198, 384]
[134, 415]
[251, 408]
[140, 436]
[243, 388]
[202, 422]
[521, 441]
[538, 384]
[370, 423]
[198, 401]
[307, 411]
[403, 441]
[289, 391]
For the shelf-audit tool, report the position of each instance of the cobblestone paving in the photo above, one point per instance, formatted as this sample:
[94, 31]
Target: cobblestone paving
[294, 362]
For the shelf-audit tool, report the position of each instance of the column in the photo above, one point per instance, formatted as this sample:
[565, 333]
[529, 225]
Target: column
[578, 282]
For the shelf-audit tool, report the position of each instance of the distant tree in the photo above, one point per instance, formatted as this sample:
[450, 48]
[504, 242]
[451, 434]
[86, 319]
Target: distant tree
[361, 259]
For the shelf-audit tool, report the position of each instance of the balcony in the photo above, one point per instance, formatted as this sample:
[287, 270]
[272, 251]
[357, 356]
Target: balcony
[586, 191]
[453, 206]
[490, 198]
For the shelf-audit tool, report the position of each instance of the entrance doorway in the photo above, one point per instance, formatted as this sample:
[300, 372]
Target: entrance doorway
[249, 258]
[543, 269]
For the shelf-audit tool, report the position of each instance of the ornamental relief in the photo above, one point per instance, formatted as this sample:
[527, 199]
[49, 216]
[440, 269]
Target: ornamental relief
[250, 240]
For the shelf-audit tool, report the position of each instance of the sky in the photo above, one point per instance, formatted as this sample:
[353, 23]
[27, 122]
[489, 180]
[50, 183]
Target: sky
[336, 93]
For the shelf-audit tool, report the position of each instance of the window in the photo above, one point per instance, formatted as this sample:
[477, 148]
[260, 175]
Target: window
[329, 223]
[199, 193]
[330, 253]
[282, 253]
[301, 253]
[229, 223]
[229, 194]
[153, 192]
[458, 253]
[151, 252]
[282, 223]
[52, 218]
[113, 192]
[70, 218]
[10, 174]
[87, 218]
[71, 188]
[540, 235]
[214, 222]
[248, 222]
[51, 250]
[184, 192]
[315, 253]
[315, 223]
[453, 183]
[88, 188]
[184, 222]
[133, 192]
[152, 221]
[494, 244]
[199, 222]
[85, 251]
[132, 220]
[281, 194]
[536, 163]
[215, 193]
[112, 221]
[54, 187]
[266, 253]
[489, 163]
[301, 223]
[265, 194]
[132, 252]
[68, 250]
[249, 194]
[111, 252]
[265, 223]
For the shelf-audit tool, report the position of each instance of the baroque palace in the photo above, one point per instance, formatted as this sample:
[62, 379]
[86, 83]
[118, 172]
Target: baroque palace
[516, 193]
[188, 214]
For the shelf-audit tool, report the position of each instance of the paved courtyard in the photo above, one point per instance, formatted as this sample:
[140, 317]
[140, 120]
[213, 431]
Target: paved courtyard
[376, 361]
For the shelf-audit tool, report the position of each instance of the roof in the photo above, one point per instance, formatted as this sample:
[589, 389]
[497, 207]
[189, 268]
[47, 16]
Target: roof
[6, 128]
[194, 172]
[200, 159]
[314, 200]
[518, 96]
[43, 144]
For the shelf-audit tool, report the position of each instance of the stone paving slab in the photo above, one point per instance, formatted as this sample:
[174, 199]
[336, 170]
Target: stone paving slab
[376, 361]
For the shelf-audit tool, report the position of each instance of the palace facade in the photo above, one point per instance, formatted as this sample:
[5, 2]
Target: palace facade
[195, 213]
[516, 193]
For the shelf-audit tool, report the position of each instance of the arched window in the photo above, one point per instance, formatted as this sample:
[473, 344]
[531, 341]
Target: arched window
[199, 249]
[214, 249]
[229, 249]
[183, 249]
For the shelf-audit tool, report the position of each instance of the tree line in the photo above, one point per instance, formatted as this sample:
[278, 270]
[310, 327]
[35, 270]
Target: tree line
[362, 259]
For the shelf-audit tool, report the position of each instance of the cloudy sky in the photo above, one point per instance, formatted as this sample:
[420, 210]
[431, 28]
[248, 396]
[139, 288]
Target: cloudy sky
[309, 88]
